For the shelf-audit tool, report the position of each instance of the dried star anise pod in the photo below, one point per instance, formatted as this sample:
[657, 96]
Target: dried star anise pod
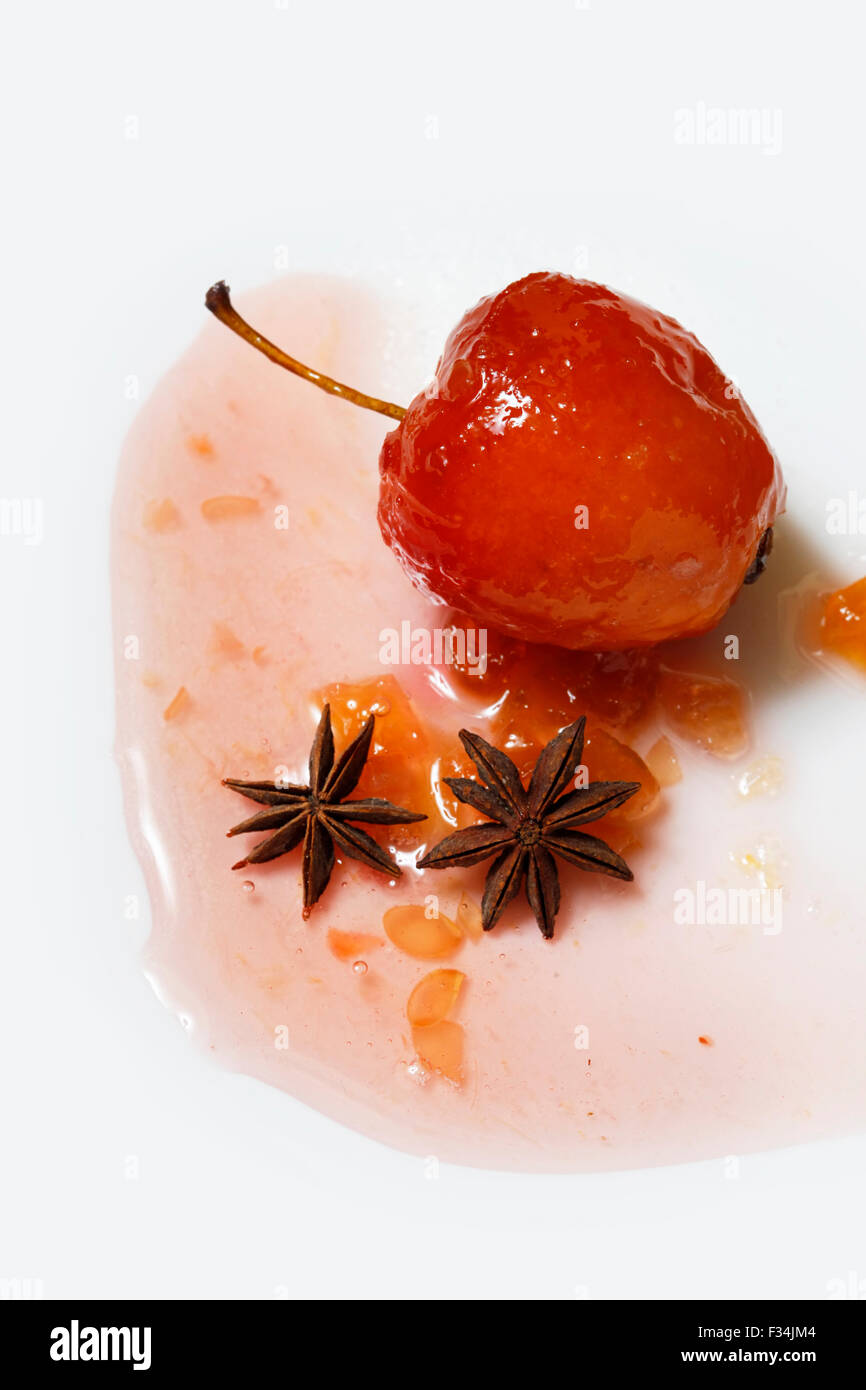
[320, 815]
[531, 826]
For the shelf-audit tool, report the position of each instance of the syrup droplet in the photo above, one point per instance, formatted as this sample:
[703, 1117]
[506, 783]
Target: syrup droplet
[248, 886]
[359, 968]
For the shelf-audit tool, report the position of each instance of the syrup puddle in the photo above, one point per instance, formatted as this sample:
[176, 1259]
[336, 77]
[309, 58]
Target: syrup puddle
[248, 572]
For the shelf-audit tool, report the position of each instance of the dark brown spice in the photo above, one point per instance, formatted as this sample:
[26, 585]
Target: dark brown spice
[759, 564]
[530, 826]
[320, 815]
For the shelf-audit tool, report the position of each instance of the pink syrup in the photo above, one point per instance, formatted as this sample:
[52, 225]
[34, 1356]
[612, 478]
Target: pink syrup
[248, 574]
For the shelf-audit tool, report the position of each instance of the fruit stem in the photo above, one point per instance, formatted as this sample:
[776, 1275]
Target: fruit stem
[218, 301]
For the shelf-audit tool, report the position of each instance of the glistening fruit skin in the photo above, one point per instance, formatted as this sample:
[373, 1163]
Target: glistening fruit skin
[558, 394]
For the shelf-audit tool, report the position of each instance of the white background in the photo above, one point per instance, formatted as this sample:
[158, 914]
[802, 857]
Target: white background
[150, 149]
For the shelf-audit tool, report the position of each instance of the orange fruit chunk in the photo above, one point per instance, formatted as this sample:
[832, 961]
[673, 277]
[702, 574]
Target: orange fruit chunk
[161, 516]
[350, 945]
[609, 760]
[606, 759]
[177, 705]
[200, 444]
[540, 689]
[440, 1047]
[707, 710]
[426, 938]
[842, 625]
[228, 508]
[469, 919]
[225, 644]
[434, 997]
[399, 764]
[663, 763]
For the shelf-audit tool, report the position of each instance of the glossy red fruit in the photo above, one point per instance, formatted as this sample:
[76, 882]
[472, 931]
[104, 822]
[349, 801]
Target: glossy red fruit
[558, 395]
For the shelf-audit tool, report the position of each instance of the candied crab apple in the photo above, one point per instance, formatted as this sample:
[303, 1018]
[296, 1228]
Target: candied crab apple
[579, 472]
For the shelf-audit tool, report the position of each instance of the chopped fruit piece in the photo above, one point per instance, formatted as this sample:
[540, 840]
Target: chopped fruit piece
[609, 760]
[762, 778]
[707, 710]
[842, 623]
[663, 763]
[765, 863]
[652, 484]
[228, 508]
[225, 645]
[707, 1042]
[440, 1047]
[349, 945]
[469, 918]
[606, 758]
[201, 445]
[434, 997]
[426, 938]
[177, 705]
[551, 686]
[161, 516]
[399, 765]
[618, 835]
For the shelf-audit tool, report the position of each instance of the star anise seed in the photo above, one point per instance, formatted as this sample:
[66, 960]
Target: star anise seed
[320, 815]
[530, 826]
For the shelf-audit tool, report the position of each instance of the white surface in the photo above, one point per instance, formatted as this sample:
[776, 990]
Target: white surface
[306, 127]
